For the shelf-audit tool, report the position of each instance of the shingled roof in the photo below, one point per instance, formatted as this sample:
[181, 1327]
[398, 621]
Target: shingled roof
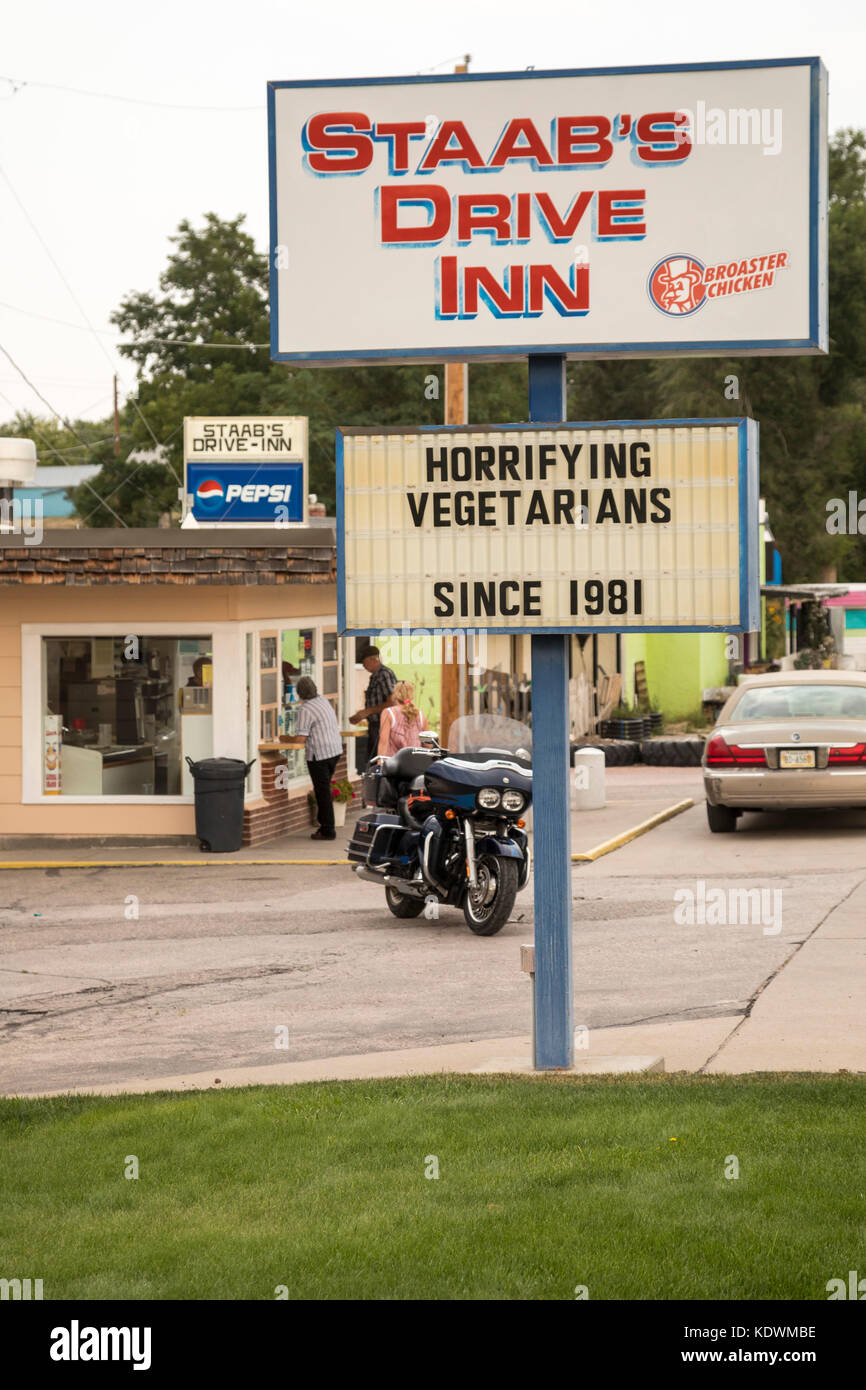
[95, 556]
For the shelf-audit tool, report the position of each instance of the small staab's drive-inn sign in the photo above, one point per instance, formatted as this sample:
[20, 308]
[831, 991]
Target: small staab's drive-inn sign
[627, 526]
[247, 470]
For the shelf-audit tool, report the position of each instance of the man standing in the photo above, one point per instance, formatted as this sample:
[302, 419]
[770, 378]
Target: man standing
[317, 726]
[376, 696]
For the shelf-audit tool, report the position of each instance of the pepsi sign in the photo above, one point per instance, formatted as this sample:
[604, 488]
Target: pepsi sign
[269, 494]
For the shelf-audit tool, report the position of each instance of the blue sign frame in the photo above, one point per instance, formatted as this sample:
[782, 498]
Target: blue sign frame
[748, 506]
[815, 343]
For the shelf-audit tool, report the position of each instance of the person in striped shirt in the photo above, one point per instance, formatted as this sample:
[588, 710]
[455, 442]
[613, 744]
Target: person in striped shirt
[317, 726]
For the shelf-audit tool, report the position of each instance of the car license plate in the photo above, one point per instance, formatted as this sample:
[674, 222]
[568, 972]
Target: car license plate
[797, 757]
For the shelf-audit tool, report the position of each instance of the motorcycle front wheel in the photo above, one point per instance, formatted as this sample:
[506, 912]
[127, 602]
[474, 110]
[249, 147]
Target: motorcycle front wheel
[487, 907]
[402, 905]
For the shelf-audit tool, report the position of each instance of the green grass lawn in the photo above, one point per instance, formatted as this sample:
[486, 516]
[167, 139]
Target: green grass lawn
[616, 1184]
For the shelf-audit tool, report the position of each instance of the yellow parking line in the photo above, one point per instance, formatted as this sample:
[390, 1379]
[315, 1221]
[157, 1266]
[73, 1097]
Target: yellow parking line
[619, 840]
[205, 862]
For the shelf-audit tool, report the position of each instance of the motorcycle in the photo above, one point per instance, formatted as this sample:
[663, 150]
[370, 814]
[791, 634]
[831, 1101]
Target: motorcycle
[447, 825]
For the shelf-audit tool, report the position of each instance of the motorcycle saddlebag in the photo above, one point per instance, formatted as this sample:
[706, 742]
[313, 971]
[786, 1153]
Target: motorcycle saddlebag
[377, 789]
[375, 837]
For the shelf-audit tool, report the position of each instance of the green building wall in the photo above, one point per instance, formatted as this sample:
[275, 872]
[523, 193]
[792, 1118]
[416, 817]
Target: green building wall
[679, 667]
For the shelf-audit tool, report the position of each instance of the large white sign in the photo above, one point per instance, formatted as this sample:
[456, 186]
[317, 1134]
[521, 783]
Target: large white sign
[625, 212]
[624, 526]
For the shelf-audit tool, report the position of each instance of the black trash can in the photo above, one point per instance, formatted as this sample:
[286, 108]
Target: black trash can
[219, 802]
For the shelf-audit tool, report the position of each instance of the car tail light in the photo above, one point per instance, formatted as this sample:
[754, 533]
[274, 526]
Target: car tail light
[854, 753]
[720, 753]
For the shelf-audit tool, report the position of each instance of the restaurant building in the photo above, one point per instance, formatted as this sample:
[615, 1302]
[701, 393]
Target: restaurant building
[123, 653]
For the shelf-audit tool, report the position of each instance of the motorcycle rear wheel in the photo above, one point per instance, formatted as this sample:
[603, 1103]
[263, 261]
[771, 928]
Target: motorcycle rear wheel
[402, 905]
[488, 907]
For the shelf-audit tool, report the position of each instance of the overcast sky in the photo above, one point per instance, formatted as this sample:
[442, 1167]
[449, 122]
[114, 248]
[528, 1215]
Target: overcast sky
[105, 182]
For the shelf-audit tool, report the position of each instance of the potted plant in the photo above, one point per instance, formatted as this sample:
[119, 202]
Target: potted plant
[341, 794]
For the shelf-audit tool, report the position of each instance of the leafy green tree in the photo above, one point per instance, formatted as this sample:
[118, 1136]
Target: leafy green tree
[200, 349]
[811, 410]
[59, 445]
[214, 292]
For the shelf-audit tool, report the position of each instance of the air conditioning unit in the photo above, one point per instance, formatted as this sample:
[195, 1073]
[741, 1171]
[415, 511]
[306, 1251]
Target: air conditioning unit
[17, 462]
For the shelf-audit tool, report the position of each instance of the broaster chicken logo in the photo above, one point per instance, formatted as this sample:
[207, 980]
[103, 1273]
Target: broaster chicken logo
[676, 285]
[680, 285]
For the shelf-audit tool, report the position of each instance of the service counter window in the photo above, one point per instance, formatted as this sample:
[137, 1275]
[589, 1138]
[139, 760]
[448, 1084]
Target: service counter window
[298, 658]
[331, 670]
[121, 714]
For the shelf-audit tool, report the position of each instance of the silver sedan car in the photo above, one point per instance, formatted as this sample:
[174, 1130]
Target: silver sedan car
[789, 740]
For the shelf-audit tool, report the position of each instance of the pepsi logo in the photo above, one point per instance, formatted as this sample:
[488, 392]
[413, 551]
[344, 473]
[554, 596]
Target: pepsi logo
[210, 495]
[676, 285]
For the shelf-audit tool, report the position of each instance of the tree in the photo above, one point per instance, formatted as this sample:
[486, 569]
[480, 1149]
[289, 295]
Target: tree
[70, 442]
[811, 410]
[214, 292]
[59, 444]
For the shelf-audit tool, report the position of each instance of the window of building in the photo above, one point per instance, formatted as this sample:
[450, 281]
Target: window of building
[121, 714]
[269, 699]
[331, 670]
[298, 653]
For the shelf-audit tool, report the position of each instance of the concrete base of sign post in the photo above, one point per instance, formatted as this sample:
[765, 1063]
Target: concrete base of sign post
[582, 1066]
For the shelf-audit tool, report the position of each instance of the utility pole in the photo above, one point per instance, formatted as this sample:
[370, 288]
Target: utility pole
[116, 421]
[456, 413]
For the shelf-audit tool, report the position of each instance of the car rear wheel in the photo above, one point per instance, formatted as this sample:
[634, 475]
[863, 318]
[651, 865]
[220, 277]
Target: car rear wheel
[721, 819]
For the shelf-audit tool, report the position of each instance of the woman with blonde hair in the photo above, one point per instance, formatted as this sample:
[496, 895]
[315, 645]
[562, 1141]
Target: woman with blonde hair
[402, 721]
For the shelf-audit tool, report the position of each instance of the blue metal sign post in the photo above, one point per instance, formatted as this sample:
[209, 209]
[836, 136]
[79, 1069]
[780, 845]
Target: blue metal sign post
[554, 1004]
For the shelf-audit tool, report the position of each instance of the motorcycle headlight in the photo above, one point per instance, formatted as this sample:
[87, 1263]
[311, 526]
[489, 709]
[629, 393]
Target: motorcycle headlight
[488, 798]
[513, 801]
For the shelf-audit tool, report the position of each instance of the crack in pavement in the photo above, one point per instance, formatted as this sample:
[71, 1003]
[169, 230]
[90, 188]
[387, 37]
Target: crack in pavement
[774, 975]
[723, 1008]
[54, 974]
[152, 987]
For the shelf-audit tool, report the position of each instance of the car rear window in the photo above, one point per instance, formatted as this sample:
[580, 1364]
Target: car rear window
[802, 702]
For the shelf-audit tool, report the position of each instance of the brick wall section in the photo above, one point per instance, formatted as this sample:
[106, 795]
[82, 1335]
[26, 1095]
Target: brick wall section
[153, 564]
[279, 813]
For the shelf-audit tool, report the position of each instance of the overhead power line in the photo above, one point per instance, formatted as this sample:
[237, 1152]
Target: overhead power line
[65, 423]
[189, 342]
[19, 84]
[79, 306]
[137, 342]
[125, 480]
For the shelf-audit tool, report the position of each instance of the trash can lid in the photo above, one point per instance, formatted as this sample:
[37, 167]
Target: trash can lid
[218, 768]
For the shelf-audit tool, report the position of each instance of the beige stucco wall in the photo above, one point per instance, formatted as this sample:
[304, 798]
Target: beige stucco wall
[198, 604]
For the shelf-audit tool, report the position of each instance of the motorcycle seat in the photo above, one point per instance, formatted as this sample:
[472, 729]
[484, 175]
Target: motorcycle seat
[409, 763]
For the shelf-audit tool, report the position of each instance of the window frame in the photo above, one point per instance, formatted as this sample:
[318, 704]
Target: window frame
[222, 638]
[228, 644]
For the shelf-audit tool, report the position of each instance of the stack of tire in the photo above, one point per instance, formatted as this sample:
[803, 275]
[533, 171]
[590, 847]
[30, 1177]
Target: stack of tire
[672, 752]
[618, 752]
[624, 750]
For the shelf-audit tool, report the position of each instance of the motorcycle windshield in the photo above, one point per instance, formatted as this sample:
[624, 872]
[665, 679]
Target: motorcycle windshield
[491, 733]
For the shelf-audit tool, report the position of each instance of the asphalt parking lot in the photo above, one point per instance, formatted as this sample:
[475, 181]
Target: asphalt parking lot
[113, 974]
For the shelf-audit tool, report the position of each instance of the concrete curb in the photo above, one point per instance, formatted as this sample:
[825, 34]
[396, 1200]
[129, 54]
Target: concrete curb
[206, 861]
[678, 1046]
[607, 846]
